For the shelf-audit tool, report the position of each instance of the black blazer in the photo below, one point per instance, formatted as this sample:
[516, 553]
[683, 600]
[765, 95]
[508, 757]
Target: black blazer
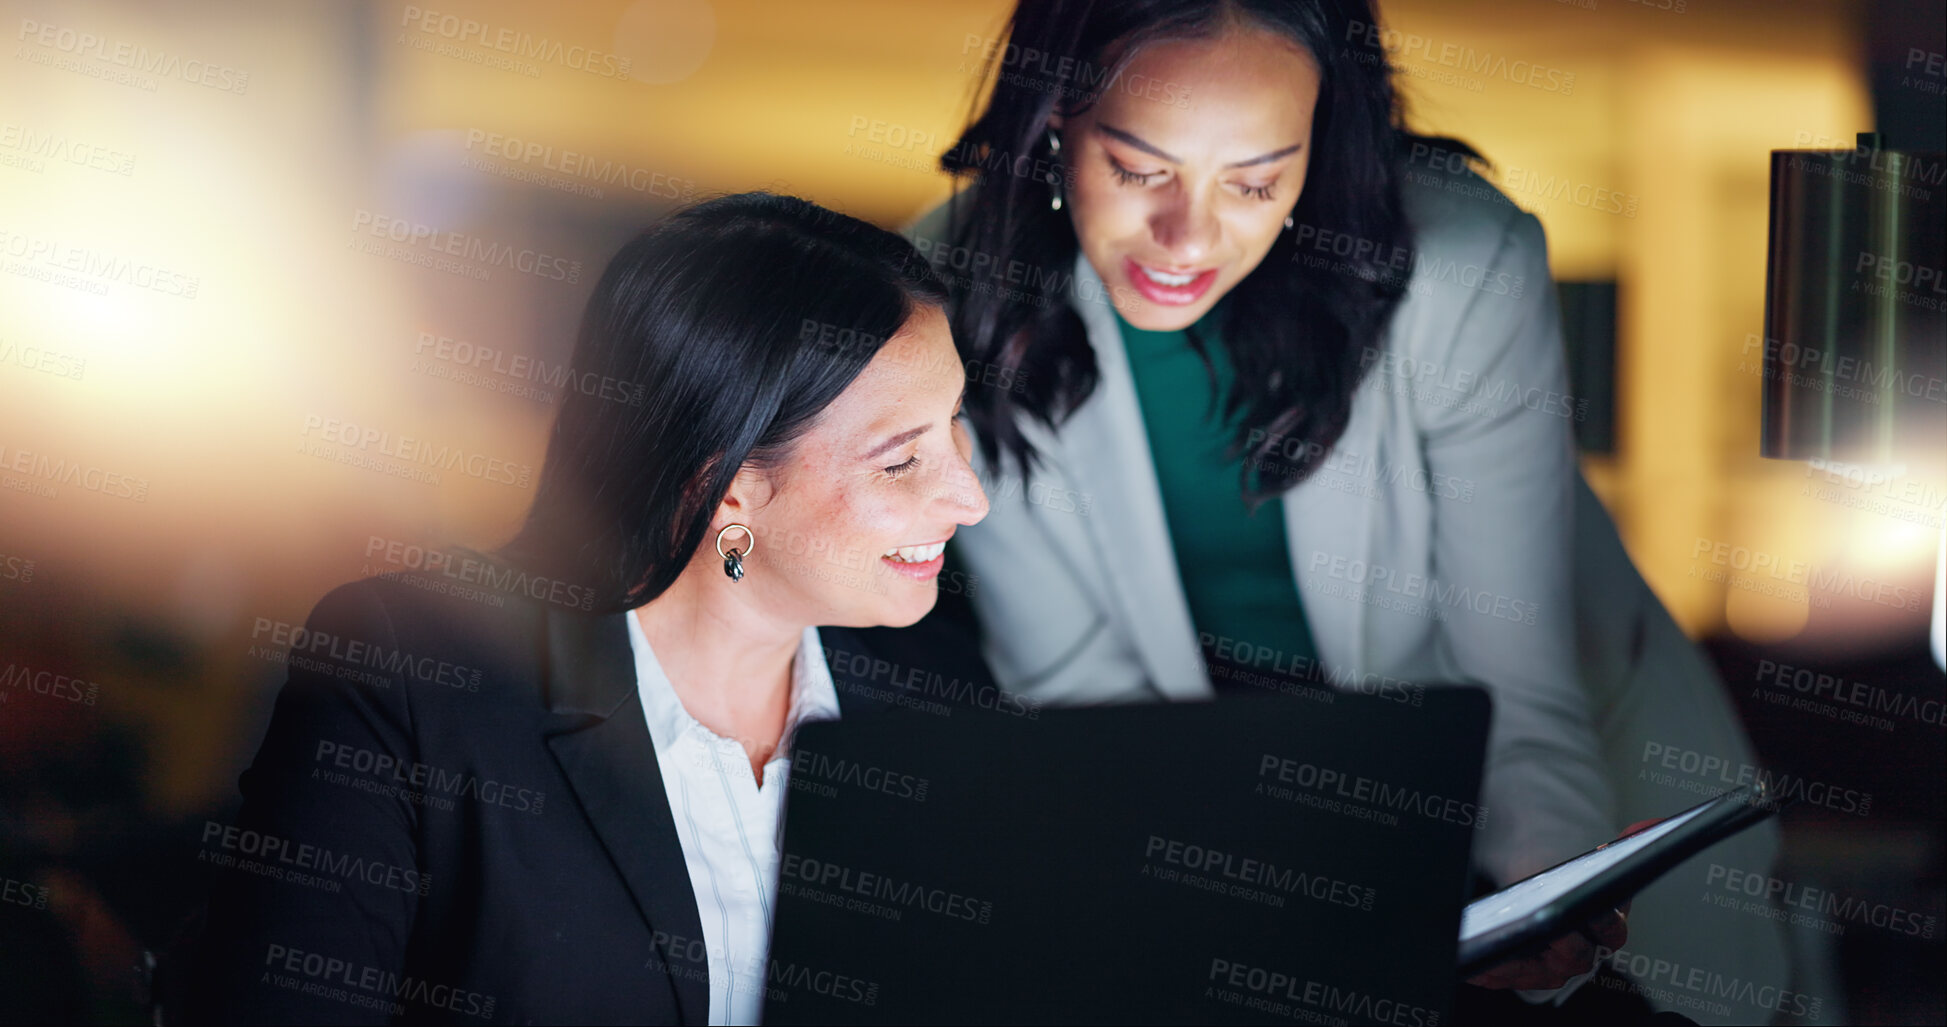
[456, 815]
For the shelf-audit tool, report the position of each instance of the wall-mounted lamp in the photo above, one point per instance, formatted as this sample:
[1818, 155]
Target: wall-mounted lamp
[1855, 349]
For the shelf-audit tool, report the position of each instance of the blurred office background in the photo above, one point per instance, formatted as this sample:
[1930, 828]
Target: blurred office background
[255, 253]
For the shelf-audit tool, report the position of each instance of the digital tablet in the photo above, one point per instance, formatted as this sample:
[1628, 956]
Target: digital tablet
[1526, 915]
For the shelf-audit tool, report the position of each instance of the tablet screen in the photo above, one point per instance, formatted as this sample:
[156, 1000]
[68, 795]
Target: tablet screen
[1523, 898]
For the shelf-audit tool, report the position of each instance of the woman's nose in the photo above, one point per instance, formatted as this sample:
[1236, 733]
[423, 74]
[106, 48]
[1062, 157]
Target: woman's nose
[1185, 228]
[959, 488]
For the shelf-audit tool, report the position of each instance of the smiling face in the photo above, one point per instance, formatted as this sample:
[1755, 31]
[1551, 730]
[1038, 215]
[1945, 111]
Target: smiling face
[1173, 206]
[851, 526]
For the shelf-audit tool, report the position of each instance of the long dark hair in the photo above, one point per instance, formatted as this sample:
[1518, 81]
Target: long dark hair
[1296, 330]
[724, 330]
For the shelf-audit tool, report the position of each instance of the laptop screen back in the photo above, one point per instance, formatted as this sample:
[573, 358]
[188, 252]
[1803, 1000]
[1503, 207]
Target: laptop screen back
[1251, 859]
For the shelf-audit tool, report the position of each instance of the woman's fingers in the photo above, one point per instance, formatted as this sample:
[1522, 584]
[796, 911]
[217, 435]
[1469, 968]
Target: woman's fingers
[1640, 825]
[1611, 930]
[1495, 978]
[1565, 958]
[1569, 956]
[1526, 972]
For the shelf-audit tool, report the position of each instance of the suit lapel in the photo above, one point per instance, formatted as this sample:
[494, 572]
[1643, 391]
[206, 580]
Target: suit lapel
[610, 761]
[1107, 452]
[849, 656]
[1323, 525]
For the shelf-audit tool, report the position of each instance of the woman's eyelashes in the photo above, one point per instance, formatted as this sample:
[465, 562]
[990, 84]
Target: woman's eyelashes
[1130, 177]
[956, 428]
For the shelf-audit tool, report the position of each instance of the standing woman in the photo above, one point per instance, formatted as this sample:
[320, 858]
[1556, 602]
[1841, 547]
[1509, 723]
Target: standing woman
[1286, 407]
[555, 797]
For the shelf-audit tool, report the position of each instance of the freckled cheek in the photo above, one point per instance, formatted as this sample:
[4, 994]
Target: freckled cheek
[881, 526]
[858, 520]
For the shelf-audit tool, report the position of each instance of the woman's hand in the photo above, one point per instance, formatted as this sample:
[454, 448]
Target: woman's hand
[1565, 958]
[1570, 955]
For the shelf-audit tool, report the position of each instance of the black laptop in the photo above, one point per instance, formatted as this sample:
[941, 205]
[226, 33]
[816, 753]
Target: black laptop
[1253, 859]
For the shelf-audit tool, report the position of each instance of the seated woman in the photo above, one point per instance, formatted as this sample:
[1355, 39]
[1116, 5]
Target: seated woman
[561, 804]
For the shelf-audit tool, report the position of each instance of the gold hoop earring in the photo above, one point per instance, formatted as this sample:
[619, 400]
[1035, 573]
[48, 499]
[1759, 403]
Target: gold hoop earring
[733, 561]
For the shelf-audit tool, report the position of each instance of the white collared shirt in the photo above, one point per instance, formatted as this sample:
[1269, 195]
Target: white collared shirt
[729, 827]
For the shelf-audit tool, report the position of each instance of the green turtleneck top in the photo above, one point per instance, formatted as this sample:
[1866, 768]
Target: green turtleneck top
[1234, 562]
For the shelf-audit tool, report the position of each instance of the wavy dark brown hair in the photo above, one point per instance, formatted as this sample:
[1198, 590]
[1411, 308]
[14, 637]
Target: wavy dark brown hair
[1295, 332]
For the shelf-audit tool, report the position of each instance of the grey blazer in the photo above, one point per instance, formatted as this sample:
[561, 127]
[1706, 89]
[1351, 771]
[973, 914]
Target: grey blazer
[1449, 537]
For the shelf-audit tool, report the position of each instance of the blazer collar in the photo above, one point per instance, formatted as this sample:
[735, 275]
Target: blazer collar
[610, 762]
[605, 751]
[590, 670]
[591, 667]
[1111, 459]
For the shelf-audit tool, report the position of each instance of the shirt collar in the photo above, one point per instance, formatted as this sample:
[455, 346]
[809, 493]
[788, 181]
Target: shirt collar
[813, 695]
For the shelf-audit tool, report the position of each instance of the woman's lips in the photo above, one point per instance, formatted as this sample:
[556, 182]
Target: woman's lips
[1164, 293]
[925, 571]
[912, 566]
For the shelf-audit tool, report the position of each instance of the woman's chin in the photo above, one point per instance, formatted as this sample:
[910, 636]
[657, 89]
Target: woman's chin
[894, 604]
[906, 610]
[1156, 317]
[903, 602]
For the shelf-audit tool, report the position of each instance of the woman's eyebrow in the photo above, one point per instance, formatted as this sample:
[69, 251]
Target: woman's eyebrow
[897, 441]
[1118, 134]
